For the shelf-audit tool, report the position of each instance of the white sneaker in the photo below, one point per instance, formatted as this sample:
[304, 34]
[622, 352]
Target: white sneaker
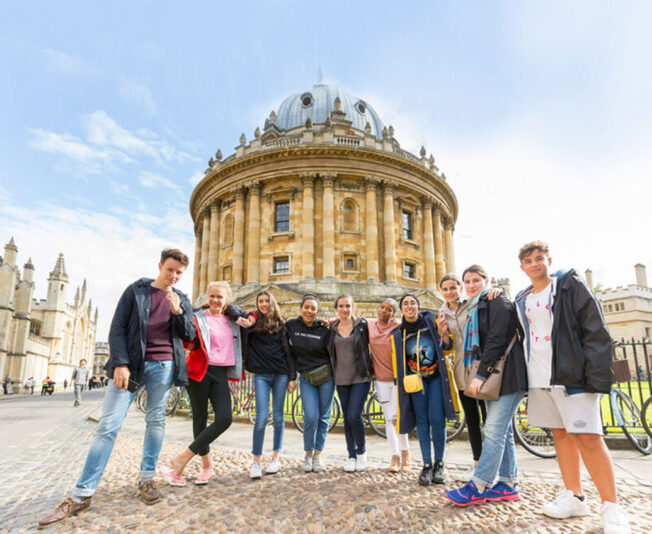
[256, 470]
[273, 466]
[566, 505]
[349, 466]
[361, 462]
[465, 476]
[614, 519]
[317, 465]
[307, 464]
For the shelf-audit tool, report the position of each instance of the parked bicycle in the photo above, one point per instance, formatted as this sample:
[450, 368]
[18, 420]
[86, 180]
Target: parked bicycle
[173, 400]
[629, 418]
[646, 416]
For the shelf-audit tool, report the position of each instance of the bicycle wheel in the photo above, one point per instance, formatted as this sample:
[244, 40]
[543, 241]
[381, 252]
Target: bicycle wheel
[297, 413]
[628, 417]
[646, 416]
[373, 415]
[454, 428]
[536, 440]
[173, 401]
[251, 412]
[141, 400]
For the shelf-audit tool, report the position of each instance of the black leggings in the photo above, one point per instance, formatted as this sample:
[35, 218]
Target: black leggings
[472, 414]
[214, 387]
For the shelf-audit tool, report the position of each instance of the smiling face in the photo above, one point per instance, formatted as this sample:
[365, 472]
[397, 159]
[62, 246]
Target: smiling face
[169, 272]
[473, 283]
[535, 265]
[344, 307]
[385, 312]
[309, 311]
[450, 290]
[263, 303]
[217, 299]
[410, 308]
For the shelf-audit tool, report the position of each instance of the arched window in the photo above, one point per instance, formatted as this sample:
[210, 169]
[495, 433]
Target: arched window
[349, 215]
[228, 231]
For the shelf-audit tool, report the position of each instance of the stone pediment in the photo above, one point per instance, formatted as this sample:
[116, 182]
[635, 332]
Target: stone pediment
[281, 294]
[428, 300]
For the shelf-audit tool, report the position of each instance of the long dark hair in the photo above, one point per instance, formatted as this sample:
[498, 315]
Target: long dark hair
[273, 322]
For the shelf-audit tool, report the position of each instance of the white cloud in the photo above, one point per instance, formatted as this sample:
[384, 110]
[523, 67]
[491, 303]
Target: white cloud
[140, 94]
[196, 178]
[151, 180]
[66, 64]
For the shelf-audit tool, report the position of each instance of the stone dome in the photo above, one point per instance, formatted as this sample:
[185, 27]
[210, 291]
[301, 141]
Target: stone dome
[318, 103]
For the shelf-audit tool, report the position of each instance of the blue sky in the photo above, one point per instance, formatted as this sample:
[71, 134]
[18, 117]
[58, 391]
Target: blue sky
[539, 113]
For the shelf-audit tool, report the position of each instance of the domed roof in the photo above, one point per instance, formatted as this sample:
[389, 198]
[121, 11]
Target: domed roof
[318, 105]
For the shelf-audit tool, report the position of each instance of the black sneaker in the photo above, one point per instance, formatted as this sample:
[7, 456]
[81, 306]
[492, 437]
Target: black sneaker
[425, 478]
[439, 474]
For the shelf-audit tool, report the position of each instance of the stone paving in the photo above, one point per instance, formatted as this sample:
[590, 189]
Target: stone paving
[291, 501]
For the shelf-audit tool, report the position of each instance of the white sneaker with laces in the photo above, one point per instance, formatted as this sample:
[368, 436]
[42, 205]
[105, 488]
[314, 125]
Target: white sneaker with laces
[465, 476]
[566, 505]
[317, 465]
[614, 519]
[273, 466]
[307, 464]
[256, 470]
[361, 462]
[349, 466]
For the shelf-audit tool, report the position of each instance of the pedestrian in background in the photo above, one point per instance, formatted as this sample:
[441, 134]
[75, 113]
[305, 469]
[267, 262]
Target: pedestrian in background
[348, 348]
[79, 378]
[8, 385]
[380, 331]
[309, 337]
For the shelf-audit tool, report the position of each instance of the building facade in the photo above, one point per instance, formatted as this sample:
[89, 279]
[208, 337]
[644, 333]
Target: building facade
[46, 337]
[100, 358]
[627, 310]
[323, 200]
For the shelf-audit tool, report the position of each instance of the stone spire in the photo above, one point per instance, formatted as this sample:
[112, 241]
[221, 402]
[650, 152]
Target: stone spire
[89, 310]
[28, 271]
[10, 253]
[83, 291]
[96, 315]
[77, 298]
[59, 272]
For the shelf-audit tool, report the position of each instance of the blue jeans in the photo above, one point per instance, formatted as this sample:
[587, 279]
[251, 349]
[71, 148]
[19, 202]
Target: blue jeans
[498, 450]
[157, 382]
[263, 384]
[317, 402]
[430, 416]
[352, 398]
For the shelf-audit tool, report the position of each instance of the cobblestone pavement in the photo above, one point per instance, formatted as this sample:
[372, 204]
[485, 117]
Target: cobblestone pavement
[290, 501]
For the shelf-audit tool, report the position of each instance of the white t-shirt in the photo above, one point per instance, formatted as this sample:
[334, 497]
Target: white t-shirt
[539, 316]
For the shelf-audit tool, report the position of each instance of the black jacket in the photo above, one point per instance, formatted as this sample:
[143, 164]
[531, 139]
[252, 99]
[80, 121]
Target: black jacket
[360, 335]
[497, 324]
[581, 344]
[128, 332]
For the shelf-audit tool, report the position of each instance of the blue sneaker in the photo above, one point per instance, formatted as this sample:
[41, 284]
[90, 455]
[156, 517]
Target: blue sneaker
[467, 495]
[502, 492]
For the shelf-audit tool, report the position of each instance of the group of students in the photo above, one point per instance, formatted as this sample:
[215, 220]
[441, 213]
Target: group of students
[553, 340]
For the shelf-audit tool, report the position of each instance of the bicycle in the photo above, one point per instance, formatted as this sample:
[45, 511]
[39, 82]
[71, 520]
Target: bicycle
[536, 440]
[173, 400]
[297, 413]
[646, 416]
[628, 417]
[248, 405]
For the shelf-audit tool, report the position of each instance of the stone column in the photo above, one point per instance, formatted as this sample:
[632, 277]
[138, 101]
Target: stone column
[371, 228]
[448, 246]
[238, 237]
[196, 273]
[253, 238]
[390, 238]
[205, 236]
[429, 246]
[439, 246]
[328, 221]
[308, 227]
[214, 245]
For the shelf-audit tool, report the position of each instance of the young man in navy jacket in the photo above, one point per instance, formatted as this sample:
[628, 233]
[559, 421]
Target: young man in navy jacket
[569, 353]
[150, 323]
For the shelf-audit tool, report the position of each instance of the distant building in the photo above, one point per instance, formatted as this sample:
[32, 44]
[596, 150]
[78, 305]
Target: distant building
[45, 337]
[101, 357]
[627, 310]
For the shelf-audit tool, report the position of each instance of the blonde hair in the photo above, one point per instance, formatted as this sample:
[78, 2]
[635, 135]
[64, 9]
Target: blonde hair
[227, 289]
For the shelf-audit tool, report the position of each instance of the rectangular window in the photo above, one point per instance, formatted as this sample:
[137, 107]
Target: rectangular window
[406, 218]
[226, 274]
[35, 328]
[409, 270]
[282, 217]
[350, 262]
[281, 265]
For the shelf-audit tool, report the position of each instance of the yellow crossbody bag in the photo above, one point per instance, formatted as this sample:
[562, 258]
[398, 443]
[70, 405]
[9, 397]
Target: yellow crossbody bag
[412, 383]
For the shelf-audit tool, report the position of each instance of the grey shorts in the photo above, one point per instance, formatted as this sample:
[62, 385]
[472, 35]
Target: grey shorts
[554, 408]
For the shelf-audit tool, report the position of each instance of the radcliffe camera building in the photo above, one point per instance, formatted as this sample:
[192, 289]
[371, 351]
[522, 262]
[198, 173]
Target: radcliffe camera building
[323, 200]
[46, 337]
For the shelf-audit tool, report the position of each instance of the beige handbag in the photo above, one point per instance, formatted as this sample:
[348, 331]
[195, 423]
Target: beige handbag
[411, 383]
[490, 389]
